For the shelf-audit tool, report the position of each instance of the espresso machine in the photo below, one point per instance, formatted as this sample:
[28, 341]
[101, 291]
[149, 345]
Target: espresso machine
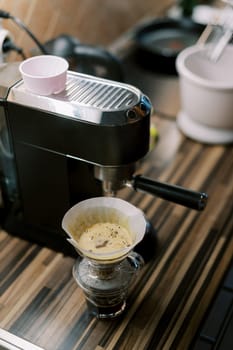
[60, 149]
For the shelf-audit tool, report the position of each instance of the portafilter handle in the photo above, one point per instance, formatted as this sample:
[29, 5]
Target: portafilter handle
[177, 194]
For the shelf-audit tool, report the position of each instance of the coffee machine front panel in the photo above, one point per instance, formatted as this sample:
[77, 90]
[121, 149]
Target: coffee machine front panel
[95, 120]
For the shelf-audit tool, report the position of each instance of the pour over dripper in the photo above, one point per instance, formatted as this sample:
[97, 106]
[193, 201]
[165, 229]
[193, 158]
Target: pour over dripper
[99, 210]
[105, 277]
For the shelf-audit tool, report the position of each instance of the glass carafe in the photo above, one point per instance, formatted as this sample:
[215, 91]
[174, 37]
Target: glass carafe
[106, 286]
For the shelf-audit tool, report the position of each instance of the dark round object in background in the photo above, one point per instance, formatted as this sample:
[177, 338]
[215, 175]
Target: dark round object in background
[158, 42]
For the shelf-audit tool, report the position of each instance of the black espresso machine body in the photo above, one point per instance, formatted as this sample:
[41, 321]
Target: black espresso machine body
[52, 146]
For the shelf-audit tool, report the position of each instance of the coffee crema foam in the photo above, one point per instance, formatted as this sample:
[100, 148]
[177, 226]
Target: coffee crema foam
[105, 237]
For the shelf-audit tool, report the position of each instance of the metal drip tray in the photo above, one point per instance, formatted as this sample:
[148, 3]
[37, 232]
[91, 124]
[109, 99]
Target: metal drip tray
[9, 341]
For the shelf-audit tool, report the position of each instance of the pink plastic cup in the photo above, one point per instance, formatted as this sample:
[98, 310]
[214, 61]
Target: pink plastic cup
[45, 74]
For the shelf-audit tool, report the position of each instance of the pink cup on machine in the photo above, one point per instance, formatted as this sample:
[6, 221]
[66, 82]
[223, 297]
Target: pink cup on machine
[44, 74]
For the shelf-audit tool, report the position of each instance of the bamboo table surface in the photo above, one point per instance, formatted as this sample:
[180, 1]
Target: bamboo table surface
[40, 301]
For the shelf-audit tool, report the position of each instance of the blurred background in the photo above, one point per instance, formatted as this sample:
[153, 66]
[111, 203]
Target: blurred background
[91, 21]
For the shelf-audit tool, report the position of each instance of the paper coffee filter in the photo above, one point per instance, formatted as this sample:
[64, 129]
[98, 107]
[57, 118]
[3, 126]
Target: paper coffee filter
[104, 209]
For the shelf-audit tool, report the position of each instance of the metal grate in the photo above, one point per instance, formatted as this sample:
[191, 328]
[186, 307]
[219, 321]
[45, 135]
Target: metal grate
[99, 94]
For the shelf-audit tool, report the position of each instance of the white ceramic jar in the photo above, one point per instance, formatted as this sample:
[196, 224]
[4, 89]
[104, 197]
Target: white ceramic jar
[206, 92]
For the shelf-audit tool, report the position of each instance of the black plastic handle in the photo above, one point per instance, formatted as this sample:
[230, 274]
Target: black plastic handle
[177, 194]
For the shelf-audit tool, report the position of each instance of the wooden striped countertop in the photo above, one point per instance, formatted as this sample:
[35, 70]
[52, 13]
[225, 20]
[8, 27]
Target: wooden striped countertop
[40, 301]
